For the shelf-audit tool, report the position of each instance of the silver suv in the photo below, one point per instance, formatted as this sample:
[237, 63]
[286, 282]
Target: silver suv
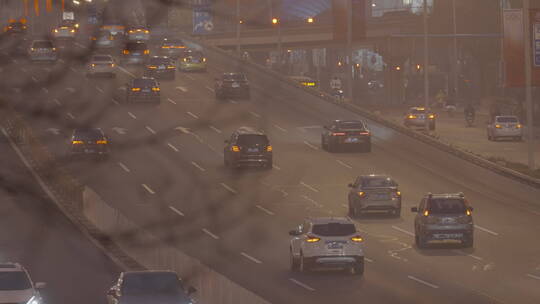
[442, 218]
[374, 193]
[327, 242]
[16, 285]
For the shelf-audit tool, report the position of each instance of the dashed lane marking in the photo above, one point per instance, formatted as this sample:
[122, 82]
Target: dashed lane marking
[100, 89]
[533, 276]
[172, 147]
[198, 166]
[176, 211]
[310, 145]
[190, 77]
[280, 128]
[57, 101]
[124, 167]
[132, 115]
[210, 89]
[309, 187]
[70, 115]
[254, 114]
[150, 130]
[215, 237]
[127, 72]
[228, 188]
[276, 167]
[264, 210]
[215, 129]
[422, 282]
[192, 115]
[247, 256]
[171, 101]
[344, 164]
[403, 230]
[183, 89]
[147, 188]
[486, 230]
[301, 284]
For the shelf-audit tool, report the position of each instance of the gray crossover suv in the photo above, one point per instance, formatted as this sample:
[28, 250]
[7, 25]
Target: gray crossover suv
[442, 218]
[374, 193]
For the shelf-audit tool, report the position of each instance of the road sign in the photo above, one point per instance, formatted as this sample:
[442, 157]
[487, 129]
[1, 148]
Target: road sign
[202, 20]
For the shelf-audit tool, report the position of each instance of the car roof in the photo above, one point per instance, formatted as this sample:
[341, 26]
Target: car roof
[375, 176]
[506, 116]
[233, 73]
[248, 130]
[88, 130]
[11, 267]
[446, 195]
[143, 272]
[327, 220]
[418, 109]
[301, 78]
[102, 55]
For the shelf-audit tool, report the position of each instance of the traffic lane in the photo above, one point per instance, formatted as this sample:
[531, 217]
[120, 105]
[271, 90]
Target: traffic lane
[47, 243]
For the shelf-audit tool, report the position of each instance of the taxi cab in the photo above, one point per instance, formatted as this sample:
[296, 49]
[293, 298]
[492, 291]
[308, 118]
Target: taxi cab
[193, 61]
[138, 34]
[15, 27]
[305, 81]
[418, 117]
[64, 32]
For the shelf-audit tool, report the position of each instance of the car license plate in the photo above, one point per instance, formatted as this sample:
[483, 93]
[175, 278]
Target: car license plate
[442, 236]
[448, 220]
[352, 139]
[335, 246]
[422, 116]
[251, 150]
[146, 90]
[88, 150]
[235, 85]
[161, 67]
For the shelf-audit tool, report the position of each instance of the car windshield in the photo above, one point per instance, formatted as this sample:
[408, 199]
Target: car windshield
[159, 61]
[43, 44]
[102, 58]
[143, 83]
[234, 77]
[252, 139]
[507, 119]
[136, 46]
[351, 125]
[377, 182]
[418, 111]
[446, 206]
[14, 280]
[174, 43]
[334, 229]
[151, 283]
[88, 134]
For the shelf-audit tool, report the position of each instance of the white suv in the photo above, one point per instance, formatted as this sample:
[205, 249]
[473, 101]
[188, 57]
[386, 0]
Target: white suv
[16, 285]
[327, 242]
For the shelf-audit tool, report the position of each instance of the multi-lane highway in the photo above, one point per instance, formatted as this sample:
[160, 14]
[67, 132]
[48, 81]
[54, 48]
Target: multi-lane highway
[37, 235]
[166, 172]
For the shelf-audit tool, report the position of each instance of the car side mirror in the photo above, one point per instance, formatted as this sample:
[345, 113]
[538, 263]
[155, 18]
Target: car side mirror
[350, 185]
[226, 141]
[414, 209]
[191, 290]
[40, 285]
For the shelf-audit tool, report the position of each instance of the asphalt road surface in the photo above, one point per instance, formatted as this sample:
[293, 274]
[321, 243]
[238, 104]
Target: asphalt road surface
[36, 234]
[166, 172]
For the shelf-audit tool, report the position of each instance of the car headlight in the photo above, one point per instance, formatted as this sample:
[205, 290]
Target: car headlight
[33, 300]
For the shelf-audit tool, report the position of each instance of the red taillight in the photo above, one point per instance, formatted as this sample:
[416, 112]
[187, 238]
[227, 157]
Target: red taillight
[338, 134]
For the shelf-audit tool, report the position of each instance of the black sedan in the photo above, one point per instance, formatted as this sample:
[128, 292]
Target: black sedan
[346, 134]
[232, 85]
[160, 67]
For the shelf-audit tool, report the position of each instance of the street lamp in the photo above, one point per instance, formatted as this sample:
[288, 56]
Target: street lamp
[276, 22]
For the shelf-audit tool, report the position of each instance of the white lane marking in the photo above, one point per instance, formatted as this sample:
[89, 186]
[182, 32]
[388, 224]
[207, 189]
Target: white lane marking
[192, 115]
[309, 187]
[15, 61]
[309, 199]
[171, 101]
[215, 129]
[132, 115]
[422, 282]
[469, 255]
[23, 70]
[124, 167]
[368, 260]
[114, 101]
[403, 230]
[210, 89]
[181, 89]
[533, 276]
[283, 192]
[190, 77]
[70, 115]
[172, 147]
[145, 186]
[228, 188]
[310, 145]
[233, 101]
[247, 256]
[344, 164]
[71, 90]
[254, 114]
[126, 71]
[215, 237]
[45, 90]
[73, 69]
[276, 167]
[100, 89]
[176, 211]
[34, 79]
[150, 130]
[198, 166]
[82, 46]
[301, 284]
[57, 101]
[280, 128]
[486, 230]
[264, 210]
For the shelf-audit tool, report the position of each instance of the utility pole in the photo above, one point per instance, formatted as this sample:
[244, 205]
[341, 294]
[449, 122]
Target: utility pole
[455, 53]
[426, 63]
[528, 82]
[238, 24]
[348, 49]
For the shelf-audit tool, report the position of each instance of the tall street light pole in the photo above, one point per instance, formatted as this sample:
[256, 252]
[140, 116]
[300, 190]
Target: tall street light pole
[426, 63]
[455, 53]
[348, 49]
[528, 82]
[277, 22]
[238, 24]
